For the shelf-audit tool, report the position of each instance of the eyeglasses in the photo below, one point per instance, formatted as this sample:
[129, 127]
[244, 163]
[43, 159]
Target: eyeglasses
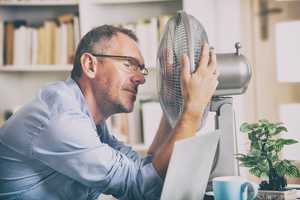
[132, 64]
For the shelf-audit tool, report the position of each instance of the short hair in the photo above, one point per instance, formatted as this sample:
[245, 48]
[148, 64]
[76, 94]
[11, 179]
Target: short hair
[89, 40]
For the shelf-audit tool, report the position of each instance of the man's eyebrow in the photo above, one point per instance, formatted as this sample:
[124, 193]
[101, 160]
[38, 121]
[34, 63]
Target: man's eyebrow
[135, 60]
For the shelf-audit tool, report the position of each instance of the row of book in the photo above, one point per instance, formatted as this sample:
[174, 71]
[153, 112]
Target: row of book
[142, 129]
[52, 42]
[149, 31]
[123, 126]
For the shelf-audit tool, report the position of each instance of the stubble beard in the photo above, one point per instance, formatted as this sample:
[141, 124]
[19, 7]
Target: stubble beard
[114, 104]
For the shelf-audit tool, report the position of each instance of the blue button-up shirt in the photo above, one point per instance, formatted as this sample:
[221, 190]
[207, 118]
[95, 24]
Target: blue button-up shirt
[52, 149]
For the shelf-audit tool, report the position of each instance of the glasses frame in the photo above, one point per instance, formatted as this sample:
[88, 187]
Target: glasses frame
[132, 60]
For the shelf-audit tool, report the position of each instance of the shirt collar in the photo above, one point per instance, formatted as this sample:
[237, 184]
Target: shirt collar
[80, 97]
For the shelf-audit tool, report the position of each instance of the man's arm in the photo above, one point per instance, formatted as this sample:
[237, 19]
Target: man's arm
[112, 141]
[161, 136]
[198, 88]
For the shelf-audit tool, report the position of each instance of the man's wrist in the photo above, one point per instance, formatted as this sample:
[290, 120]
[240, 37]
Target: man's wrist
[193, 112]
[189, 121]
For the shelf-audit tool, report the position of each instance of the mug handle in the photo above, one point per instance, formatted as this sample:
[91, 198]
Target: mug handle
[253, 190]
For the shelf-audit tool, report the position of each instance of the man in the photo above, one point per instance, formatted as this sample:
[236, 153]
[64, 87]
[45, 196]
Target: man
[58, 146]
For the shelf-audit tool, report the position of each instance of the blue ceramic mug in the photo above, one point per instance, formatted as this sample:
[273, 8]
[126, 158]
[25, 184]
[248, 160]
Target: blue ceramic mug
[234, 188]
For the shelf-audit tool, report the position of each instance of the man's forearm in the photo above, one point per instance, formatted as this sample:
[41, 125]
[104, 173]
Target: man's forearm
[186, 127]
[161, 136]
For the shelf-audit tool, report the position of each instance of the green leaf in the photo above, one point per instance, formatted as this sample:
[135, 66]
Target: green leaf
[281, 168]
[255, 171]
[282, 128]
[290, 141]
[264, 167]
[245, 127]
[252, 137]
[253, 126]
[255, 146]
[278, 146]
[274, 158]
[241, 157]
[293, 171]
[272, 129]
[263, 122]
[279, 130]
[287, 141]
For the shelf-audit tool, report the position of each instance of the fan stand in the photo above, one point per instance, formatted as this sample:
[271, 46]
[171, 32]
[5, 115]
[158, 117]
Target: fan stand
[225, 163]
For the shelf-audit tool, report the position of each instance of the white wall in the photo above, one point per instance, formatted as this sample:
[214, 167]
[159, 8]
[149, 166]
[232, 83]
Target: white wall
[221, 20]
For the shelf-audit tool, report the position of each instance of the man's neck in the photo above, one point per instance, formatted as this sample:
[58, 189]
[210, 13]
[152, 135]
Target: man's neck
[90, 99]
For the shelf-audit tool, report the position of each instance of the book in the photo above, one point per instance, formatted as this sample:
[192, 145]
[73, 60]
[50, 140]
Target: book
[1, 42]
[76, 31]
[57, 45]
[119, 126]
[162, 21]
[10, 26]
[41, 57]
[65, 18]
[147, 33]
[28, 46]
[70, 43]
[20, 46]
[49, 41]
[63, 44]
[34, 46]
[151, 115]
[9, 43]
[135, 124]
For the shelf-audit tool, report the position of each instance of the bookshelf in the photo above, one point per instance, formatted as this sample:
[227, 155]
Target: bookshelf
[128, 1]
[35, 68]
[20, 82]
[38, 2]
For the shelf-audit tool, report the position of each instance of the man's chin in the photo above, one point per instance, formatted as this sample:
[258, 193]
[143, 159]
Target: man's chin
[126, 107]
[129, 109]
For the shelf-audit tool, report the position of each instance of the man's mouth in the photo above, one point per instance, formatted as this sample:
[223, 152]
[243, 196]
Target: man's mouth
[132, 90]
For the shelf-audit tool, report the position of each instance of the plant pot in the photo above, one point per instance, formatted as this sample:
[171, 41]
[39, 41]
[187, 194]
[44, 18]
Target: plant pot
[276, 195]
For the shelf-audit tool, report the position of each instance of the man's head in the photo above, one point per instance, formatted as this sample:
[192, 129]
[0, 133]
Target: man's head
[109, 61]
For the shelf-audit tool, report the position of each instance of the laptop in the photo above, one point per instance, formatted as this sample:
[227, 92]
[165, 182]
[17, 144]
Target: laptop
[190, 166]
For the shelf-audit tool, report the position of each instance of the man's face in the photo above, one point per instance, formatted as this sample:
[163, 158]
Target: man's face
[115, 86]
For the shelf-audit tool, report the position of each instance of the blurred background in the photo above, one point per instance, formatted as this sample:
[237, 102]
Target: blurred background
[38, 39]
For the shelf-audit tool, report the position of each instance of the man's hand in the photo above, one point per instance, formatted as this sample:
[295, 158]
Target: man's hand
[199, 86]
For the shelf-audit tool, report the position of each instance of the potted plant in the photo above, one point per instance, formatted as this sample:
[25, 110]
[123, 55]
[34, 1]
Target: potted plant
[263, 159]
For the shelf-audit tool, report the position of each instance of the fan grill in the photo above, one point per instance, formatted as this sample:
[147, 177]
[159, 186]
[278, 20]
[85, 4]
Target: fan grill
[174, 43]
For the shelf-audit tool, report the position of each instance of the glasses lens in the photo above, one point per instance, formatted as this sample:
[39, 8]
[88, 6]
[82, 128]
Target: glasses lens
[138, 67]
[144, 71]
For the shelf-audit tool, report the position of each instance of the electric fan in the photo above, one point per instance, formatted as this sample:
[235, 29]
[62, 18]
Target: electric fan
[184, 34]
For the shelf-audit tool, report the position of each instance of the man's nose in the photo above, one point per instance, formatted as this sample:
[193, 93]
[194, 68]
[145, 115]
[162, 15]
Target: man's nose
[138, 78]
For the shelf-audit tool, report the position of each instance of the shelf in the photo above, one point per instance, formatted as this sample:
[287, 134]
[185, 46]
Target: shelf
[38, 2]
[35, 68]
[127, 1]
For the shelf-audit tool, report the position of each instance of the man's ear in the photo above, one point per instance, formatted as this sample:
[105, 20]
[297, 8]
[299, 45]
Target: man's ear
[89, 65]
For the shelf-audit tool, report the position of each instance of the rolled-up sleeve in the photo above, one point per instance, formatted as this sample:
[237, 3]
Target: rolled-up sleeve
[112, 141]
[69, 143]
